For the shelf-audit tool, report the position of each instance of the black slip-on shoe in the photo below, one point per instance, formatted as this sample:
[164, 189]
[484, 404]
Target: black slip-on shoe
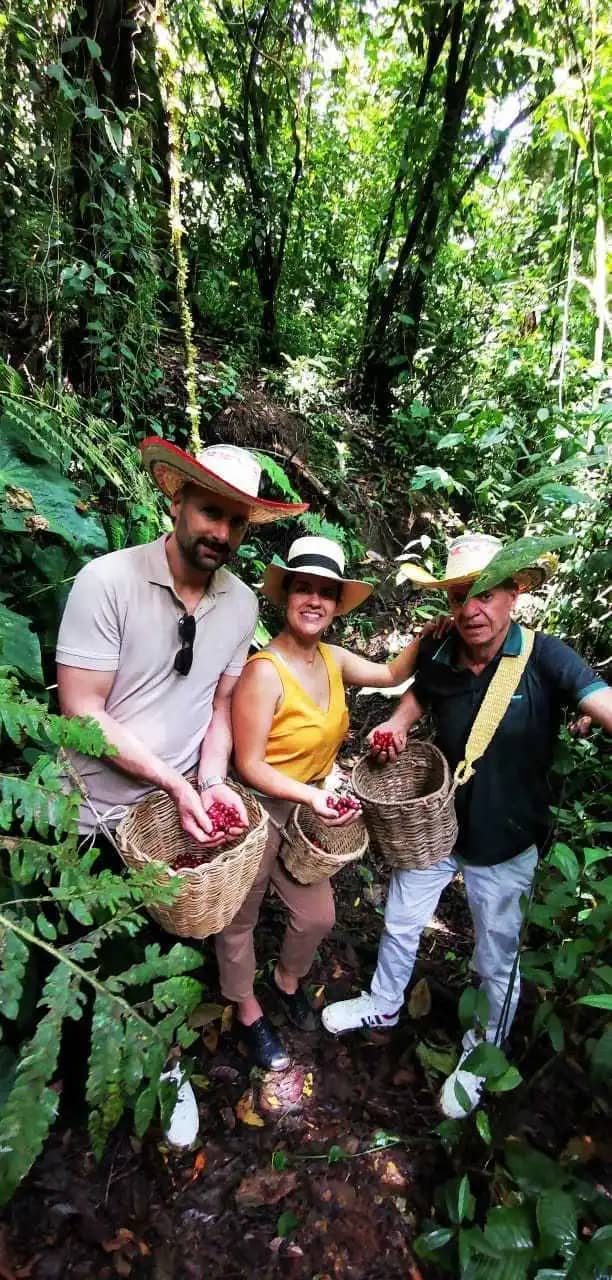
[265, 1048]
[297, 1007]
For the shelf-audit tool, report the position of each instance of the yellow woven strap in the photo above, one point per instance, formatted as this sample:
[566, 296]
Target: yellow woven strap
[494, 705]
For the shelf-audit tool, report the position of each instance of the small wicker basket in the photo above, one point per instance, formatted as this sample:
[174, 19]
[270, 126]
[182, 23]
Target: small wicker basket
[315, 851]
[213, 892]
[408, 806]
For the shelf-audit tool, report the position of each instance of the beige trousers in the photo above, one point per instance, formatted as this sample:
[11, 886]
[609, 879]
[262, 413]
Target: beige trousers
[311, 916]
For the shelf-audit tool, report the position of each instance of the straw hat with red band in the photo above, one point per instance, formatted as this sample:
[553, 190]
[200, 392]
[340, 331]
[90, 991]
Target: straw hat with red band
[314, 557]
[467, 557]
[221, 468]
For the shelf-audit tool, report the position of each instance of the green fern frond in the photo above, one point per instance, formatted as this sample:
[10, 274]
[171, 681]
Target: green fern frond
[14, 957]
[277, 476]
[31, 1106]
[22, 716]
[155, 965]
[10, 381]
[179, 992]
[104, 1093]
[35, 807]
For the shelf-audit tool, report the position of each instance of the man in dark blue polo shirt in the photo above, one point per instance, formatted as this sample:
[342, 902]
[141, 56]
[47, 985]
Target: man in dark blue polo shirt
[502, 811]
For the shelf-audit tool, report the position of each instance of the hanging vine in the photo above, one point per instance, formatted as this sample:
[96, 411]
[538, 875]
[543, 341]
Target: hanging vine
[167, 60]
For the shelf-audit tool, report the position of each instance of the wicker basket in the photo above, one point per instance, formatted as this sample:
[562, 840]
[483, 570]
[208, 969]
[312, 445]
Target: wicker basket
[408, 807]
[337, 846]
[213, 892]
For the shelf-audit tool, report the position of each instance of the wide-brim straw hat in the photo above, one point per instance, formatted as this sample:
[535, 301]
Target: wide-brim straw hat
[222, 468]
[467, 557]
[317, 558]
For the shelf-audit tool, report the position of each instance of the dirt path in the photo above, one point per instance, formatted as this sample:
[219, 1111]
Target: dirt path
[326, 1205]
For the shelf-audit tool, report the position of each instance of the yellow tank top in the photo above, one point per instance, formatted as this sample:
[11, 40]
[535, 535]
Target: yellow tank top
[304, 739]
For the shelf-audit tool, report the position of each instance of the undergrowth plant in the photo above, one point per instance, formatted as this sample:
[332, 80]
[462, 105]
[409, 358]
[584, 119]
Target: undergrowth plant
[539, 1216]
[59, 910]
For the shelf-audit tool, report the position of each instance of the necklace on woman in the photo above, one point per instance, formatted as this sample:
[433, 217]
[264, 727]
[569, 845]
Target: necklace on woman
[293, 663]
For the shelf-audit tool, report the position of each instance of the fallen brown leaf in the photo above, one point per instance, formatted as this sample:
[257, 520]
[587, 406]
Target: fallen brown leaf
[265, 1187]
[419, 1004]
[245, 1112]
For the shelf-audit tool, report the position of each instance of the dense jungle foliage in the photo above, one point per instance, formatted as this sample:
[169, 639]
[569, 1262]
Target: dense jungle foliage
[368, 241]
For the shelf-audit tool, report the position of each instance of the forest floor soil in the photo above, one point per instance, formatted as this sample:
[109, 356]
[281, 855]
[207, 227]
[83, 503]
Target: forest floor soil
[336, 1209]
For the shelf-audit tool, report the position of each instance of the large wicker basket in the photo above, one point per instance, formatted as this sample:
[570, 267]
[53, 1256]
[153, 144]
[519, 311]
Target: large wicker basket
[315, 851]
[213, 892]
[408, 805]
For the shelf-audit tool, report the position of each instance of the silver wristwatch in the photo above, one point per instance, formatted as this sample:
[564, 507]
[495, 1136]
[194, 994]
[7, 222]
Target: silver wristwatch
[214, 780]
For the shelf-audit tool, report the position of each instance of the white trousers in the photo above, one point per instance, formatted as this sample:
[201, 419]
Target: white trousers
[494, 895]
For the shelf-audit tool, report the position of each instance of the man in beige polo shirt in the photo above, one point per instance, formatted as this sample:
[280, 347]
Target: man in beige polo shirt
[154, 637]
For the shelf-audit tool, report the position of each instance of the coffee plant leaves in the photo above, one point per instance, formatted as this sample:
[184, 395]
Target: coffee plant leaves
[531, 1169]
[558, 1222]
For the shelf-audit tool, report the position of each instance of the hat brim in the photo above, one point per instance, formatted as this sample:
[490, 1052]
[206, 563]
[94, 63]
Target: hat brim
[526, 579]
[170, 468]
[353, 592]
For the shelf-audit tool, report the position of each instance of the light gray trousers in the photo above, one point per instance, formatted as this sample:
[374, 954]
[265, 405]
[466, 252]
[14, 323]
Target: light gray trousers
[494, 895]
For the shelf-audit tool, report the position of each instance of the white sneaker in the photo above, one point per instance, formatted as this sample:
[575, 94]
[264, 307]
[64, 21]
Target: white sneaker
[350, 1015]
[185, 1119]
[457, 1108]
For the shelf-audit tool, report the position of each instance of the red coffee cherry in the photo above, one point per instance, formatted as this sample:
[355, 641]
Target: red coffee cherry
[382, 740]
[342, 804]
[223, 817]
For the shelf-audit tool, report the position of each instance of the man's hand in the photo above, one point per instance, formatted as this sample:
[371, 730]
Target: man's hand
[580, 727]
[192, 814]
[387, 750]
[319, 805]
[220, 793]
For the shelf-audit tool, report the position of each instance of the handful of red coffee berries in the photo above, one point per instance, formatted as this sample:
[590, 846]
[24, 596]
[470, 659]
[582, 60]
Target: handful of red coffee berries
[223, 818]
[342, 804]
[382, 740]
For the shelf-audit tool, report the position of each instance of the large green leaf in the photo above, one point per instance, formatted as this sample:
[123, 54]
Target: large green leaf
[39, 498]
[508, 1229]
[531, 1169]
[566, 494]
[19, 647]
[558, 1222]
[486, 1060]
[603, 1001]
[516, 556]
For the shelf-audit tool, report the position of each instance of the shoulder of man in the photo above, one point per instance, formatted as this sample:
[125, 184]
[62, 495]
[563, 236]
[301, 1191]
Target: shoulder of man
[115, 566]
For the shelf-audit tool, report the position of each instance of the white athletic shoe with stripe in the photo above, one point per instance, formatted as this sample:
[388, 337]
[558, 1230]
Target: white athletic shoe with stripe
[351, 1015]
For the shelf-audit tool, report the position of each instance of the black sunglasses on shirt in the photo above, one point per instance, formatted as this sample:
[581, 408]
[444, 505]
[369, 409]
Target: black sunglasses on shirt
[184, 657]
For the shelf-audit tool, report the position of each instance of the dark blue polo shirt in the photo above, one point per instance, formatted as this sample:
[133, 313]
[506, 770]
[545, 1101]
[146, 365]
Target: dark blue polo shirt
[504, 807]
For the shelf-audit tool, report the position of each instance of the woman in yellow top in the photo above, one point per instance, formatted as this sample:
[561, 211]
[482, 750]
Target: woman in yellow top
[289, 718]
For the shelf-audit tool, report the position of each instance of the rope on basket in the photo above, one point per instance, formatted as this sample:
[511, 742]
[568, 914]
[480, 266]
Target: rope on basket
[116, 811]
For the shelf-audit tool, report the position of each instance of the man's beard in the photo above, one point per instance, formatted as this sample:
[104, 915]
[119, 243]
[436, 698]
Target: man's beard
[194, 549]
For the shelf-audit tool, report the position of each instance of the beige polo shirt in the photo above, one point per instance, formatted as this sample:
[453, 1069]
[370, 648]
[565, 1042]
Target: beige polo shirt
[122, 615]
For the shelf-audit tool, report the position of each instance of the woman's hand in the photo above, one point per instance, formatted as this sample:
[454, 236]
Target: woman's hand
[438, 628]
[319, 803]
[386, 742]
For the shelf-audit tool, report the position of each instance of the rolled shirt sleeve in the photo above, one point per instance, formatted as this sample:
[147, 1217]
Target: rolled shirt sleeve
[90, 634]
[241, 652]
[567, 670]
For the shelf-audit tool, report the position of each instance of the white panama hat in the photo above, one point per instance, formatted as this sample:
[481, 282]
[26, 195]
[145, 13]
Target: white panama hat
[315, 558]
[222, 468]
[467, 557]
